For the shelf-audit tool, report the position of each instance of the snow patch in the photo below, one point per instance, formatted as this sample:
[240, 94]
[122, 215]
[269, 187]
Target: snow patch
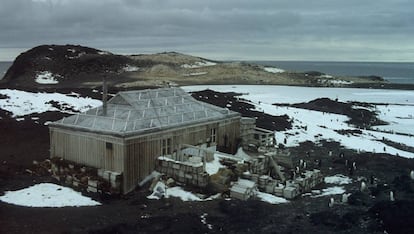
[104, 53]
[273, 70]
[46, 77]
[338, 179]
[339, 82]
[162, 191]
[331, 191]
[182, 194]
[196, 74]
[214, 166]
[199, 64]
[326, 76]
[269, 198]
[204, 221]
[130, 68]
[21, 103]
[47, 195]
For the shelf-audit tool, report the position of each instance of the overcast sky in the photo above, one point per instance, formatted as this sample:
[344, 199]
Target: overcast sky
[328, 30]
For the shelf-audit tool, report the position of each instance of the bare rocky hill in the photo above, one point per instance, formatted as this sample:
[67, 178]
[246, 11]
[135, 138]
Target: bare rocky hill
[65, 66]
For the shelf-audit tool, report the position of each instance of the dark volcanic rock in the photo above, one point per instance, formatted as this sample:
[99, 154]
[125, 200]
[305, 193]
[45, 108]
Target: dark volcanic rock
[396, 217]
[332, 219]
[359, 198]
[68, 64]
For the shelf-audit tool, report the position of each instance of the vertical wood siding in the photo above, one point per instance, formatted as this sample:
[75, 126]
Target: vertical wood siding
[87, 148]
[135, 157]
[143, 151]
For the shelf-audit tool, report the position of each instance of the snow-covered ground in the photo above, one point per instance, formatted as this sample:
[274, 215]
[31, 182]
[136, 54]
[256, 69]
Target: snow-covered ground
[21, 103]
[399, 117]
[47, 195]
[315, 125]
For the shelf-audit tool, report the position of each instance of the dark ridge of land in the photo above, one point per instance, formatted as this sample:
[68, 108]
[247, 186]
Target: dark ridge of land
[383, 86]
[359, 117]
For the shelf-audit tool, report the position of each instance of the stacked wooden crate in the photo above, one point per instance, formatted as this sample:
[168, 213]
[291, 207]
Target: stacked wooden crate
[190, 172]
[243, 189]
[86, 178]
[259, 165]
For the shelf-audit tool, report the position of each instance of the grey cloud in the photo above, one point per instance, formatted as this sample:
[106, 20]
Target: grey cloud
[287, 29]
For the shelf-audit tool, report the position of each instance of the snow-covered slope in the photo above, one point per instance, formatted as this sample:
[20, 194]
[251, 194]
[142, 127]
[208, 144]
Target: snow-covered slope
[314, 126]
[21, 103]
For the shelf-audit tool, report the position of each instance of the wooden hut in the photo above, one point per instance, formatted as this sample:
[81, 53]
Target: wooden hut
[135, 127]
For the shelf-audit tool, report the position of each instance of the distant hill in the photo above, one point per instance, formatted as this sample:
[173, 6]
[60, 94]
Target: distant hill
[65, 66]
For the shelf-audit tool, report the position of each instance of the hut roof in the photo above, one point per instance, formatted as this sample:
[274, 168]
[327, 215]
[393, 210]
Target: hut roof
[135, 112]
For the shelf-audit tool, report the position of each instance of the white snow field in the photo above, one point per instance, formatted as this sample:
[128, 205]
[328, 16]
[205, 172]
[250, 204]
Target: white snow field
[21, 103]
[47, 195]
[292, 94]
[314, 126]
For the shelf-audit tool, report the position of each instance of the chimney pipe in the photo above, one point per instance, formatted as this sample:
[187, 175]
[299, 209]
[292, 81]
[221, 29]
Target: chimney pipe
[104, 97]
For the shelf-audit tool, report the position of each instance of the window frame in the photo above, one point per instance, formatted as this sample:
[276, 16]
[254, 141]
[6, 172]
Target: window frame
[166, 146]
[213, 135]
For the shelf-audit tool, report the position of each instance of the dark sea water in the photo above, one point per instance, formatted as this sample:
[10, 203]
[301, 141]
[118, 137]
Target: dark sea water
[3, 68]
[393, 72]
